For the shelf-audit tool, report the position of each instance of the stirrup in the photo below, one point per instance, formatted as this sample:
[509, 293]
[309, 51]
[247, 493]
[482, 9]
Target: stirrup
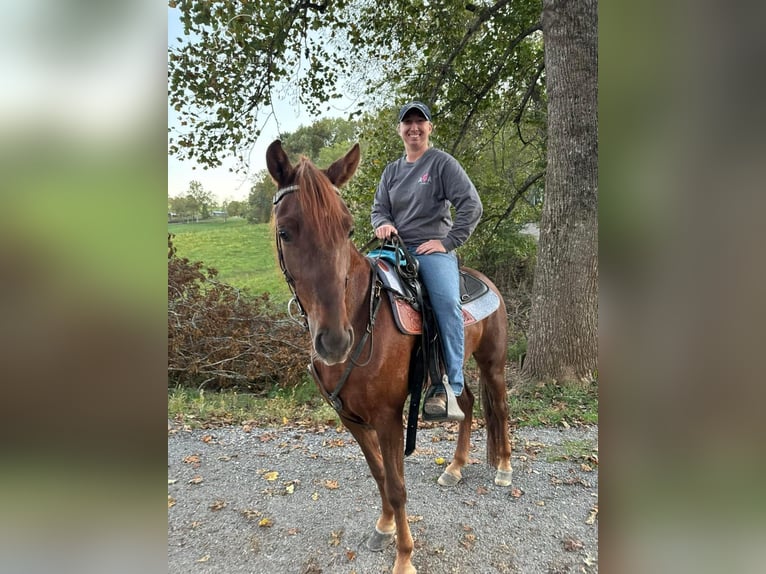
[454, 412]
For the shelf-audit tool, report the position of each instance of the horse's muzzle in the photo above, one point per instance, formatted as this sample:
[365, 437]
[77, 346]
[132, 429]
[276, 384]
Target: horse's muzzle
[333, 345]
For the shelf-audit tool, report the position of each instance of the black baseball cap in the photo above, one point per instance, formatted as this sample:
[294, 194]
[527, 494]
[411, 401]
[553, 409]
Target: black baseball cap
[419, 106]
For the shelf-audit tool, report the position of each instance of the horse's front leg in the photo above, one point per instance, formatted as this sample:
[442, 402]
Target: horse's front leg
[391, 440]
[385, 527]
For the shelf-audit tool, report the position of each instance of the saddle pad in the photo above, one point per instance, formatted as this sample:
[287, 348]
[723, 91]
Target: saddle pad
[409, 319]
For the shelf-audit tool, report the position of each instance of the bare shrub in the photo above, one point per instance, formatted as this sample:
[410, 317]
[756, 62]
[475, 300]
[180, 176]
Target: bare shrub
[220, 338]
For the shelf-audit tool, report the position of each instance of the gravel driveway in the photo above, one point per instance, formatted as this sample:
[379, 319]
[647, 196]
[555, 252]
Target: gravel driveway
[298, 501]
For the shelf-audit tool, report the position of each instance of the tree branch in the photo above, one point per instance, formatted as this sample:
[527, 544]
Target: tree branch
[519, 194]
[525, 99]
[494, 78]
[483, 16]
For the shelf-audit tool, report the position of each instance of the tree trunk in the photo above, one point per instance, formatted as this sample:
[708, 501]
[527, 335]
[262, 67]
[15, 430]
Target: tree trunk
[562, 342]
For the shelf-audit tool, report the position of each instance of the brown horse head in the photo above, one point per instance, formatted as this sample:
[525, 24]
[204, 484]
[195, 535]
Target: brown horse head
[313, 227]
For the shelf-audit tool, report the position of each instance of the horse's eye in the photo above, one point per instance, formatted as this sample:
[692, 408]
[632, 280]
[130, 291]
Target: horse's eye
[351, 232]
[283, 235]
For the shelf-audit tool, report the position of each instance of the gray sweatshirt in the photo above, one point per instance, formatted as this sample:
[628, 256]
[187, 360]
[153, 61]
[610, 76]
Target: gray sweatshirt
[415, 198]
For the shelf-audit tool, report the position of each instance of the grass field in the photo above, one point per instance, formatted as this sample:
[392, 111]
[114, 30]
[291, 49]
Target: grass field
[243, 253]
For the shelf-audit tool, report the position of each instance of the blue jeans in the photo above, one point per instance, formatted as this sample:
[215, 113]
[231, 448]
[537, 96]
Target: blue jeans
[439, 273]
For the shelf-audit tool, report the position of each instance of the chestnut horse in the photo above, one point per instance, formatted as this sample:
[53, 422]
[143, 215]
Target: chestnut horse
[356, 340]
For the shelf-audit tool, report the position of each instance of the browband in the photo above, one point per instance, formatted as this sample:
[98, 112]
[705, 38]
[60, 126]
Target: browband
[285, 190]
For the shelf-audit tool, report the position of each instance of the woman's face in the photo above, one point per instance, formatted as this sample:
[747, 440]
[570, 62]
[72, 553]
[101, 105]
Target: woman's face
[414, 130]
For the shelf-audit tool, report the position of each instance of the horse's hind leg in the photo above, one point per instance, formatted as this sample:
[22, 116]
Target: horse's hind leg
[490, 356]
[452, 474]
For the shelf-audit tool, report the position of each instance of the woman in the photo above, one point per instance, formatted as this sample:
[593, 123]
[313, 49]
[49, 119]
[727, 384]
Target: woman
[413, 201]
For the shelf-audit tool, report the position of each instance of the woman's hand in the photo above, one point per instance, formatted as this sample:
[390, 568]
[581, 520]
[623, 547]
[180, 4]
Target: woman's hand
[430, 246]
[385, 231]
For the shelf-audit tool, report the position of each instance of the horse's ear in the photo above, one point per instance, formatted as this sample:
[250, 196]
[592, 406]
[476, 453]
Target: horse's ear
[278, 163]
[342, 170]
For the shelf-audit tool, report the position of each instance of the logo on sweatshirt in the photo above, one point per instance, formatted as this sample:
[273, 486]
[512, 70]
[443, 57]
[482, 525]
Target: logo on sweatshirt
[425, 179]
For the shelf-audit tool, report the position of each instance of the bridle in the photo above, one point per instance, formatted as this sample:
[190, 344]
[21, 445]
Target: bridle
[302, 318]
[375, 299]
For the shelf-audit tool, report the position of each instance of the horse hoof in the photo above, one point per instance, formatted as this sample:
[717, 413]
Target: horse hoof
[447, 479]
[380, 540]
[503, 477]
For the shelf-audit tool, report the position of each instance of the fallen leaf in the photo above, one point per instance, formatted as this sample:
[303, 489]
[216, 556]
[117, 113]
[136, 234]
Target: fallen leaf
[592, 516]
[572, 544]
[469, 541]
[350, 555]
[250, 513]
[293, 531]
[192, 459]
[586, 467]
[172, 480]
[196, 480]
[516, 492]
[206, 438]
[273, 475]
[335, 537]
[414, 518]
[218, 505]
[171, 501]
[482, 490]
[290, 488]
[540, 503]
[331, 484]
[265, 522]
[315, 496]
[247, 428]
[439, 461]
[205, 558]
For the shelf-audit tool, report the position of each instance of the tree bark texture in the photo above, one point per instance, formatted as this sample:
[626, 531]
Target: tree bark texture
[562, 342]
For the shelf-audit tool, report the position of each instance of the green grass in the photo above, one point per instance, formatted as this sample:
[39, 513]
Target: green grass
[572, 450]
[551, 405]
[555, 404]
[202, 409]
[243, 253]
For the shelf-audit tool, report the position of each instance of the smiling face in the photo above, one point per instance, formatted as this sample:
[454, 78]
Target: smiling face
[414, 129]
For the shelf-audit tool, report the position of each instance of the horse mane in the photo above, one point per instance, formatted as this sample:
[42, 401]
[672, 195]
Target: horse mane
[322, 209]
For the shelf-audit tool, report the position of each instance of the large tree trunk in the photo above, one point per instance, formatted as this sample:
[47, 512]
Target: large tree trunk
[563, 332]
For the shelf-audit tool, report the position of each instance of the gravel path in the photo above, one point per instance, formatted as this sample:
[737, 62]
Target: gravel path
[297, 501]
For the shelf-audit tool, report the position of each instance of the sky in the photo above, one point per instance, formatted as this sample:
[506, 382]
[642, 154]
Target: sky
[225, 185]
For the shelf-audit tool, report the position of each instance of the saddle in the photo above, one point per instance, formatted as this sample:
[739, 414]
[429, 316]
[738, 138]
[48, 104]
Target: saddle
[397, 270]
[478, 300]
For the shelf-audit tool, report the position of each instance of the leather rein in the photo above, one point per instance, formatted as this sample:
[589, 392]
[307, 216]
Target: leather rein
[375, 299]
